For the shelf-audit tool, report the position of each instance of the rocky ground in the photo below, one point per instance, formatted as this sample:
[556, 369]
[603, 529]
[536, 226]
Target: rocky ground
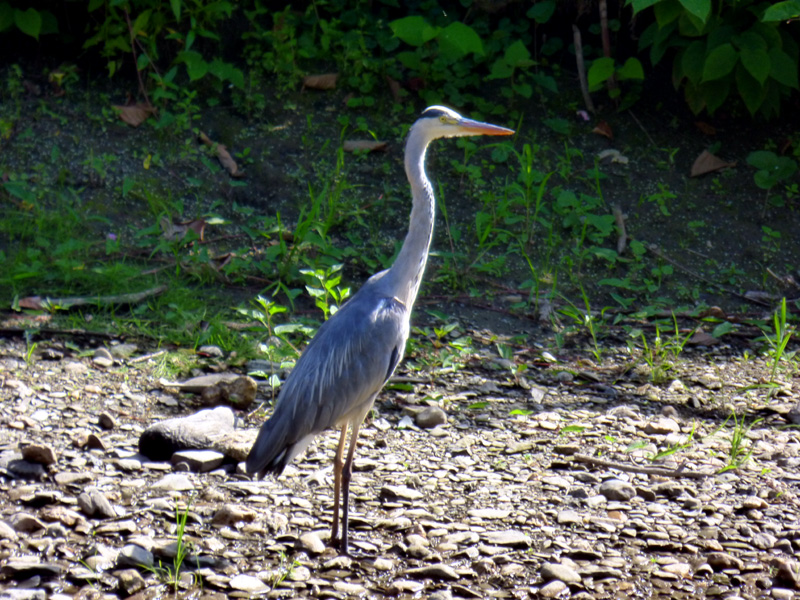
[541, 485]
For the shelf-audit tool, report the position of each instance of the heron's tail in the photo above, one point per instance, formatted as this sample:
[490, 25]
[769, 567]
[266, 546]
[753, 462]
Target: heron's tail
[270, 452]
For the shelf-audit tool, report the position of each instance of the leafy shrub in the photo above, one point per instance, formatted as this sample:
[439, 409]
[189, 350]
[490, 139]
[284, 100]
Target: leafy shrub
[30, 21]
[743, 48]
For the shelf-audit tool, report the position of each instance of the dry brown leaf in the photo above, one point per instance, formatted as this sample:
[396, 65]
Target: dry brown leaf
[705, 128]
[177, 231]
[320, 82]
[224, 157]
[708, 163]
[364, 145]
[31, 303]
[134, 114]
[394, 88]
[701, 338]
[604, 129]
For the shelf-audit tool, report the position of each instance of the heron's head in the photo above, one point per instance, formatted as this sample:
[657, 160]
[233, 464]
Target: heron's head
[440, 121]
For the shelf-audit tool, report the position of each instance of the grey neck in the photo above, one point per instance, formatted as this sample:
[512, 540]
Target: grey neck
[405, 275]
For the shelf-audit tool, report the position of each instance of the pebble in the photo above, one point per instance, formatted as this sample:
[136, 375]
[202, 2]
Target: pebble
[39, 453]
[509, 537]
[199, 461]
[311, 543]
[436, 571]
[248, 583]
[430, 417]
[174, 482]
[617, 490]
[553, 589]
[561, 572]
[94, 504]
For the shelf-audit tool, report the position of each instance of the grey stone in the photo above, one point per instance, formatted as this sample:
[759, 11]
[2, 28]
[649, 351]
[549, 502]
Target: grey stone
[430, 417]
[130, 581]
[248, 583]
[563, 573]
[437, 571]
[617, 490]
[132, 555]
[311, 543]
[199, 461]
[174, 482]
[722, 560]
[39, 453]
[553, 589]
[94, 504]
[509, 537]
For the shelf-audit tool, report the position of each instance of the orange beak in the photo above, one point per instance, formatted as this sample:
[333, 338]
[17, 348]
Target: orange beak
[477, 128]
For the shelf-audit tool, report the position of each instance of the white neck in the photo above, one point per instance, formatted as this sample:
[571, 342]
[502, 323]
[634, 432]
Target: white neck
[405, 276]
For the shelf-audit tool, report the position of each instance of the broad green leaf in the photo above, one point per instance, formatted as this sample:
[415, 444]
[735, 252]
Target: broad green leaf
[523, 89]
[782, 11]
[601, 71]
[127, 185]
[762, 159]
[517, 55]
[457, 40]
[6, 16]
[632, 69]
[140, 24]
[176, 8]
[557, 125]
[414, 31]
[715, 93]
[699, 8]
[640, 5]
[722, 329]
[545, 81]
[410, 60]
[500, 70]
[749, 40]
[29, 22]
[782, 68]
[693, 60]
[720, 61]
[752, 92]
[196, 66]
[667, 12]
[542, 11]
[49, 23]
[757, 63]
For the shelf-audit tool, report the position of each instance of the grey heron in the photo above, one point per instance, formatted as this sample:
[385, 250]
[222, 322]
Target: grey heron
[353, 354]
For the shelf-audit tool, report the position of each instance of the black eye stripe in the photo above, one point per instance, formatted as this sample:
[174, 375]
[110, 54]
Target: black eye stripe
[433, 113]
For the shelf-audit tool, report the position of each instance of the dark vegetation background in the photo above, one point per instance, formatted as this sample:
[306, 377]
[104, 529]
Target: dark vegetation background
[195, 153]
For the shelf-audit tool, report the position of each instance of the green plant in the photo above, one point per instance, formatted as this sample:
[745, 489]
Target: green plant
[778, 339]
[738, 456]
[325, 289]
[171, 575]
[585, 319]
[146, 31]
[662, 354]
[284, 570]
[604, 70]
[740, 46]
[669, 451]
[772, 169]
[30, 21]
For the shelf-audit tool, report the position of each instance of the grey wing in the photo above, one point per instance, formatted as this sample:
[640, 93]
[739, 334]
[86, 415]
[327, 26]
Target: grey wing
[336, 379]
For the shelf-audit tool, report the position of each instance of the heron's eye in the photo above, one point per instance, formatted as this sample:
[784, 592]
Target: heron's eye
[443, 118]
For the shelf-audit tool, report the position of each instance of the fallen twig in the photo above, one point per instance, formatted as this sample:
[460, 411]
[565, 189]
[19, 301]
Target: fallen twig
[599, 462]
[576, 38]
[39, 303]
[622, 239]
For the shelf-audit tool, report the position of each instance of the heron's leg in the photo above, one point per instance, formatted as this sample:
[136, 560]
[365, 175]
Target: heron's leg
[337, 482]
[347, 473]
